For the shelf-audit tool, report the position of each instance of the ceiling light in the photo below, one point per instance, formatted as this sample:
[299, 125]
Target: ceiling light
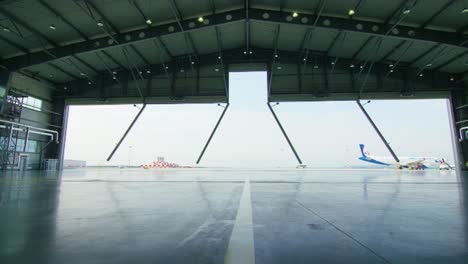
[406, 11]
[149, 21]
[219, 57]
[114, 72]
[464, 10]
[391, 70]
[250, 52]
[148, 71]
[452, 79]
[390, 65]
[6, 29]
[216, 70]
[65, 88]
[279, 67]
[421, 75]
[113, 77]
[201, 19]
[351, 12]
[276, 55]
[245, 52]
[429, 65]
[295, 14]
[316, 66]
[361, 66]
[89, 83]
[52, 27]
[100, 24]
[351, 66]
[332, 63]
[140, 72]
[167, 67]
[82, 74]
[193, 62]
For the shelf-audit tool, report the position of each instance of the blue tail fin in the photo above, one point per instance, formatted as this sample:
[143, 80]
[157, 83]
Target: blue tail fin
[363, 151]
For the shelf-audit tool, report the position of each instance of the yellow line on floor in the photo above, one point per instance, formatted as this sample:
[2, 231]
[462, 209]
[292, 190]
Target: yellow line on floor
[241, 249]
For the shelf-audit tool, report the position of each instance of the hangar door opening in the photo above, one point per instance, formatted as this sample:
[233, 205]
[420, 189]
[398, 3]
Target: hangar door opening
[324, 134]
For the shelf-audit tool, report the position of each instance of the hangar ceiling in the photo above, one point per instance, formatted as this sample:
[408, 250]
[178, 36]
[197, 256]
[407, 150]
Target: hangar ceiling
[182, 48]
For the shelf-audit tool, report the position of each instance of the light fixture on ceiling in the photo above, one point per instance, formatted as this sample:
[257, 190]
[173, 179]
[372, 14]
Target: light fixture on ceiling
[167, 67]
[219, 57]
[201, 19]
[149, 21]
[279, 68]
[316, 66]
[452, 79]
[82, 74]
[332, 63]
[390, 65]
[216, 70]
[193, 62]
[421, 75]
[406, 11]
[114, 72]
[429, 65]
[100, 24]
[89, 83]
[351, 65]
[148, 71]
[295, 14]
[245, 52]
[465, 10]
[351, 12]
[53, 27]
[6, 29]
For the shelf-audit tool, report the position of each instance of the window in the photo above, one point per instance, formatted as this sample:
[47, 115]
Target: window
[32, 103]
[30, 147]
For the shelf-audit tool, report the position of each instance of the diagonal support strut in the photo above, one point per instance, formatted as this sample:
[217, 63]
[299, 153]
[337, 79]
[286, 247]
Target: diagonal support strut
[212, 133]
[378, 131]
[126, 132]
[285, 135]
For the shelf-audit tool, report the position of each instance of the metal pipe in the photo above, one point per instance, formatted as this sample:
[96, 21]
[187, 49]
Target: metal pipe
[31, 127]
[284, 133]
[461, 131]
[126, 132]
[26, 139]
[378, 131]
[212, 133]
[31, 131]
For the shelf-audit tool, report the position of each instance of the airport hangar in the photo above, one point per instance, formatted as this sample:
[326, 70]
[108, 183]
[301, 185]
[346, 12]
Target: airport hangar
[56, 53]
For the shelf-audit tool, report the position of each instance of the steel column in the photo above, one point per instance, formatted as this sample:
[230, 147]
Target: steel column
[212, 133]
[284, 133]
[126, 132]
[378, 131]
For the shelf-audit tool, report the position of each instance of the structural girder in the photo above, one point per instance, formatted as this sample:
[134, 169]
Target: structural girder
[379, 29]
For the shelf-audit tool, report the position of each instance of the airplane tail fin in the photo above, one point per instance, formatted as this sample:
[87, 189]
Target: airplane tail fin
[363, 150]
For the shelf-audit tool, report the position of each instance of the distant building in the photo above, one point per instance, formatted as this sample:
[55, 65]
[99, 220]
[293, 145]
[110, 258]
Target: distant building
[74, 164]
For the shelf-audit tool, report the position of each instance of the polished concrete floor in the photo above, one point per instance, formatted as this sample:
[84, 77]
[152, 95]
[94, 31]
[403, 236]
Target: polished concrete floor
[233, 216]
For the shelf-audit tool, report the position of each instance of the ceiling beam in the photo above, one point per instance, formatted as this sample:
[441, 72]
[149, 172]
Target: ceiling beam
[265, 56]
[437, 14]
[390, 53]
[25, 25]
[14, 45]
[275, 17]
[66, 21]
[60, 69]
[424, 54]
[453, 59]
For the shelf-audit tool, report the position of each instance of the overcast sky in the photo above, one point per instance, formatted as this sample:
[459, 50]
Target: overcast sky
[324, 134]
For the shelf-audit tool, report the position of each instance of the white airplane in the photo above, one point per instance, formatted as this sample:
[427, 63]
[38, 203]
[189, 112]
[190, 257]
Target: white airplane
[416, 163]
